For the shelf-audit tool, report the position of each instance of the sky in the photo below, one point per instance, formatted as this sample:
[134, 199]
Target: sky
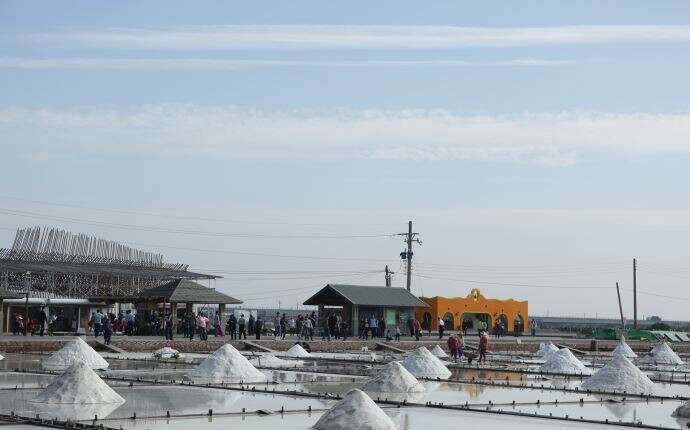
[538, 146]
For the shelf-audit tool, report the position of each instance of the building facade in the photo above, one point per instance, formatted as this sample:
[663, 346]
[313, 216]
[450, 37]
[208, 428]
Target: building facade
[470, 310]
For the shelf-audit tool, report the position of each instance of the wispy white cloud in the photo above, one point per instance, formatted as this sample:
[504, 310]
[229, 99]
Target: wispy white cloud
[235, 132]
[229, 64]
[362, 36]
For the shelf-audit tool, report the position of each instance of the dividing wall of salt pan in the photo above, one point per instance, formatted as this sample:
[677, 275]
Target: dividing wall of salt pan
[226, 364]
[662, 354]
[355, 411]
[79, 384]
[297, 351]
[75, 351]
[394, 378]
[563, 361]
[546, 349]
[423, 364]
[624, 349]
[166, 352]
[439, 352]
[619, 375]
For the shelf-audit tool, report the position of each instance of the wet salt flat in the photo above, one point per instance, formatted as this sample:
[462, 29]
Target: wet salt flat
[190, 405]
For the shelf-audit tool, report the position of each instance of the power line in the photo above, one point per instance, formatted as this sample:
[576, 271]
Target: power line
[508, 284]
[155, 229]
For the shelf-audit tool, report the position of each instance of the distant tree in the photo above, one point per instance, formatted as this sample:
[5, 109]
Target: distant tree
[660, 326]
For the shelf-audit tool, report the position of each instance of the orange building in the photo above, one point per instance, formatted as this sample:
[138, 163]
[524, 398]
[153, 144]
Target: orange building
[472, 309]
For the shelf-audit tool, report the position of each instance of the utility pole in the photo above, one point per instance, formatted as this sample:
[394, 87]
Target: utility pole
[635, 292]
[620, 306]
[410, 237]
[388, 276]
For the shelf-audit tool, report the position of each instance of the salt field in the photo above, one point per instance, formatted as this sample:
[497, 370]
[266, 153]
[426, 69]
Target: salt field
[256, 389]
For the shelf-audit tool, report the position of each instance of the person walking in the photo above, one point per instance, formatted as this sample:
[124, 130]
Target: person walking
[250, 325]
[283, 326]
[231, 327]
[276, 325]
[241, 323]
[42, 319]
[441, 327]
[97, 323]
[397, 333]
[258, 327]
[417, 328]
[453, 345]
[533, 327]
[374, 326]
[308, 324]
[461, 346]
[108, 331]
[191, 326]
[167, 327]
[483, 346]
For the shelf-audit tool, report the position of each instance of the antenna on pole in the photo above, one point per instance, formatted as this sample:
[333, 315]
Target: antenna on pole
[410, 238]
[388, 276]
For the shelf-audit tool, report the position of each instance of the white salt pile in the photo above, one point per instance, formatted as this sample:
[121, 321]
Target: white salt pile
[79, 384]
[76, 351]
[662, 354]
[355, 411]
[394, 378]
[682, 411]
[166, 352]
[624, 349]
[563, 361]
[297, 351]
[227, 365]
[545, 349]
[423, 364]
[2, 357]
[439, 352]
[619, 375]
[273, 361]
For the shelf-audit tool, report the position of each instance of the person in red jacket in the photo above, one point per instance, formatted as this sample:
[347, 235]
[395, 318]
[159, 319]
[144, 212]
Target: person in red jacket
[483, 346]
[453, 345]
[417, 328]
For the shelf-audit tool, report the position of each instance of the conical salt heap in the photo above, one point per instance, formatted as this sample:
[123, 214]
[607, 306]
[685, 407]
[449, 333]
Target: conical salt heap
[624, 349]
[662, 354]
[228, 365]
[682, 411]
[619, 375]
[439, 352]
[546, 349]
[423, 364]
[273, 361]
[563, 361]
[394, 378]
[79, 384]
[75, 351]
[297, 351]
[166, 352]
[355, 411]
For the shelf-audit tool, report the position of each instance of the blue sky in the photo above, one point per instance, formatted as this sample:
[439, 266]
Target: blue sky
[535, 144]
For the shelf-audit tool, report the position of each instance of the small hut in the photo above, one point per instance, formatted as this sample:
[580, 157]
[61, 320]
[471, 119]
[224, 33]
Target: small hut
[181, 291]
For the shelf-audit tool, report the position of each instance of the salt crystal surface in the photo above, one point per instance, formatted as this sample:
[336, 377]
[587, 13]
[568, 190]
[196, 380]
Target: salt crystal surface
[75, 351]
[297, 351]
[439, 352]
[2, 357]
[166, 352]
[228, 365]
[79, 384]
[356, 410]
[563, 361]
[394, 378]
[546, 348]
[662, 354]
[624, 349]
[273, 361]
[423, 364]
[620, 374]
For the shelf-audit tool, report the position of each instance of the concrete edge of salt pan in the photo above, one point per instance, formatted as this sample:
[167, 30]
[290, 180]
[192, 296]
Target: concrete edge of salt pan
[356, 410]
[423, 364]
[78, 385]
